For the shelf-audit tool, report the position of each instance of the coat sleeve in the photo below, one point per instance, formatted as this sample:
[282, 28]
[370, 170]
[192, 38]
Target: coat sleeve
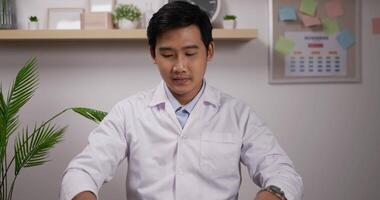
[266, 161]
[98, 162]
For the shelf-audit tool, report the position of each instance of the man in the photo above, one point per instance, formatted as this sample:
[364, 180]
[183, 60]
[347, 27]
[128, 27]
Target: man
[184, 139]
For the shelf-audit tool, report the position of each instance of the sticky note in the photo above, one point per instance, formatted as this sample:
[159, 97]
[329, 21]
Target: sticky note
[308, 7]
[346, 39]
[376, 25]
[330, 26]
[334, 8]
[287, 13]
[284, 45]
[309, 21]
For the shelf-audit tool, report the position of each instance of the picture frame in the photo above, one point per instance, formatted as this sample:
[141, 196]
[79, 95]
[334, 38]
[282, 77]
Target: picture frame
[102, 5]
[64, 18]
[348, 67]
[96, 21]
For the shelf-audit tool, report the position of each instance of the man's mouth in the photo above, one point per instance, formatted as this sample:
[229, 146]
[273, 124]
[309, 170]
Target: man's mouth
[180, 80]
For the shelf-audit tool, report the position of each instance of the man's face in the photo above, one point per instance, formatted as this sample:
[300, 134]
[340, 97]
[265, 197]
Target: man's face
[182, 58]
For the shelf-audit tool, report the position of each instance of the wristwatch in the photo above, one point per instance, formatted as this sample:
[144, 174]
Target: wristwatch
[275, 191]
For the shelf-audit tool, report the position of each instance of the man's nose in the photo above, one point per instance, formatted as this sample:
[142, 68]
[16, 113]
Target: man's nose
[179, 65]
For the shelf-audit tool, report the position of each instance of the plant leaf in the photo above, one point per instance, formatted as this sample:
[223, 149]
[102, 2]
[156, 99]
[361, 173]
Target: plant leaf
[3, 108]
[31, 149]
[92, 114]
[22, 89]
[3, 135]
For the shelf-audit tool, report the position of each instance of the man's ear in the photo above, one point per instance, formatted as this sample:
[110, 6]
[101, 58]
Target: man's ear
[210, 50]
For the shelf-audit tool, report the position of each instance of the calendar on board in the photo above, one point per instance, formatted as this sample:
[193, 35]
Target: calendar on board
[315, 54]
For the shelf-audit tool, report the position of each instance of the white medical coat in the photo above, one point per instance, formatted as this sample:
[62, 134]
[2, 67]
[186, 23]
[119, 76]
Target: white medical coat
[202, 161]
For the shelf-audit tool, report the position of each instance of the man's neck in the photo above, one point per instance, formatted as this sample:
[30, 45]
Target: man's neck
[186, 98]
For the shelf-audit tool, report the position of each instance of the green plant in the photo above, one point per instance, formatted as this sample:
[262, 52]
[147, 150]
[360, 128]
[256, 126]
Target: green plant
[127, 11]
[229, 17]
[33, 19]
[31, 146]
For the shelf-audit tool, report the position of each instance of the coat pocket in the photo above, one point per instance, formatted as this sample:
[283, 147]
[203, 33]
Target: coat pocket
[220, 154]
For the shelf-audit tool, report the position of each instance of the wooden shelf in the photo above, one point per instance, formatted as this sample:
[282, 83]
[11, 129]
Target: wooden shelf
[115, 34]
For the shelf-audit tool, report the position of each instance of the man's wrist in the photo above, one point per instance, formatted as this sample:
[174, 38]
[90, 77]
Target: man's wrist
[274, 191]
[264, 195]
[86, 195]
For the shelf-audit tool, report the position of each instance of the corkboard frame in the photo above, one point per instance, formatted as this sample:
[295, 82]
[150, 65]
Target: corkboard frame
[350, 20]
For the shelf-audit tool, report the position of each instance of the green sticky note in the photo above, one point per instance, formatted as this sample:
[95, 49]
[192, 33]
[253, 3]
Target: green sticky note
[309, 7]
[330, 26]
[284, 45]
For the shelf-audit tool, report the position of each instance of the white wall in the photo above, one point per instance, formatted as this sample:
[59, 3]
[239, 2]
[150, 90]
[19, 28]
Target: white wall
[331, 131]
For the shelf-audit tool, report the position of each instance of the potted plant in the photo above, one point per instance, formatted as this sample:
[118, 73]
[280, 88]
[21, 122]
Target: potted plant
[229, 22]
[127, 16]
[33, 23]
[31, 145]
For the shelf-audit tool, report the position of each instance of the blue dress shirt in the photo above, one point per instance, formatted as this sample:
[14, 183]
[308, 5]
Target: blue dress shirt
[183, 111]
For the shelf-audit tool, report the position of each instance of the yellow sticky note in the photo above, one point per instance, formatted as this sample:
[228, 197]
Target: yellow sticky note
[308, 7]
[284, 45]
[330, 26]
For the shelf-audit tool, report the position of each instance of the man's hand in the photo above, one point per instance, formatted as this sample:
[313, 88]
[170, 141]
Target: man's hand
[86, 195]
[264, 195]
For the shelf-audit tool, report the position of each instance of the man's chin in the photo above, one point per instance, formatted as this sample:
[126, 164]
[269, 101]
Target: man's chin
[179, 90]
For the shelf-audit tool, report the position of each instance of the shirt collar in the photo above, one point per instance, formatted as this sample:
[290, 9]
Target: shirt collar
[210, 95]
[189, 106]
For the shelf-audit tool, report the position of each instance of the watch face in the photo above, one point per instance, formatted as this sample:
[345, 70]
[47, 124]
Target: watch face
[276, 190]
[211, 7]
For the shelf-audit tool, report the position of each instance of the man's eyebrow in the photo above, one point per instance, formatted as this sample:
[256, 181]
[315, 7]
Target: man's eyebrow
[185, 47]
[191, 47]
[165, 49]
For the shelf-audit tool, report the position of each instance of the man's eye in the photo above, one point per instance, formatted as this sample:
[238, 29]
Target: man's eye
[190, 54]
[167, 55]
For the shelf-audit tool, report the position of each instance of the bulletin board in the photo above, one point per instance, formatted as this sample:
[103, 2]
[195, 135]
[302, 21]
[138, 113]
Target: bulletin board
[304, 53]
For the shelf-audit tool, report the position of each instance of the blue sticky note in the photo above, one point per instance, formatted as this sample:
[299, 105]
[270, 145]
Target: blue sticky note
[346, 39]
[288, 13]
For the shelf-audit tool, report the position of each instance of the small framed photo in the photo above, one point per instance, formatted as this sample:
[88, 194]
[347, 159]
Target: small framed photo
[64, 18]
[102, 5]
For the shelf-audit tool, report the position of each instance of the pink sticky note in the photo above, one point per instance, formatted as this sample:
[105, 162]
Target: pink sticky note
[309, 21]
[334, 8]
[376, 25]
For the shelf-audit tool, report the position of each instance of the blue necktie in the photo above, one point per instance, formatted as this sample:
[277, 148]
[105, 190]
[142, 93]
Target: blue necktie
[182, 116]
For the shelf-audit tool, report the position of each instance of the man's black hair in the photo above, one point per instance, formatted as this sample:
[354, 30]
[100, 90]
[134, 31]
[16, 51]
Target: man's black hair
[179, 14]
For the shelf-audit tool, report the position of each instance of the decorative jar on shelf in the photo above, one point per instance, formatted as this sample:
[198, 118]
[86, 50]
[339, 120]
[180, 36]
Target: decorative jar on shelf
[33, 26]
[8, 14]
[126, 24]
